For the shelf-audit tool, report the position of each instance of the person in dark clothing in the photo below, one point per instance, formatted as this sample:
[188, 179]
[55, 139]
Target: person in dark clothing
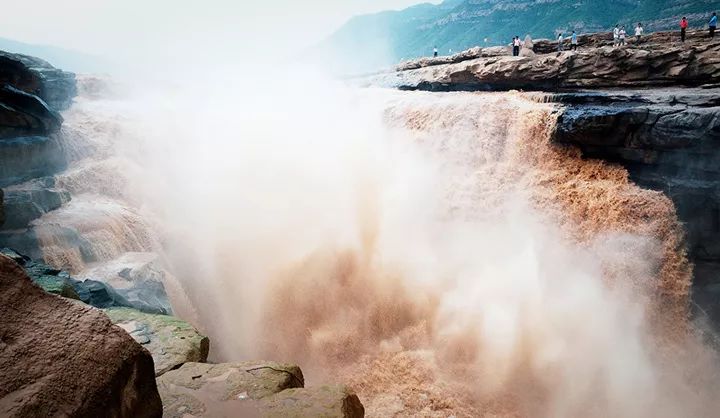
[713, 24]
[435, 52]
[683, 28]
[516, 46]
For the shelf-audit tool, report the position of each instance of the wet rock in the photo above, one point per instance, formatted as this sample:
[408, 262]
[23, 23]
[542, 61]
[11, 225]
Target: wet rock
[24, 114]
[91, 292]
[264, 389]
[29, 157]
[319, 401]
[32, 75]
[138, 277]
[171, 341]
[29, 201]
[669, 140]
[44, 373]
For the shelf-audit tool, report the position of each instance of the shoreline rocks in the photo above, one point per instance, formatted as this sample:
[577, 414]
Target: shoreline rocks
[266, 389]
[171, 341]
[61, 358]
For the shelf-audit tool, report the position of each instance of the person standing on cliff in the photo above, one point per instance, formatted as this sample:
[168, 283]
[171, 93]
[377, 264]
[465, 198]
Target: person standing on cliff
[573, 41]
[713, 24]
[623, 33]
[638, 32]
[616, 36]
[435, 52]
[560, 42]
[683, 28]
[516, 46]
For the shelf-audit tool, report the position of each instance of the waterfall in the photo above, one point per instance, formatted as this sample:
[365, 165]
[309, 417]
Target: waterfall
[435, 251]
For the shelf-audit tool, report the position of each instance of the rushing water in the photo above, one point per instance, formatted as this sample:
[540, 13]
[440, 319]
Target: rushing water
[433, 251]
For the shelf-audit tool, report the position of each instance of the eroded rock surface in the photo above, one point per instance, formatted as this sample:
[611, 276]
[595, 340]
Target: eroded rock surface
[171, 341]
[63, 359]
[658, 61]
[669, 140]
[265, 389]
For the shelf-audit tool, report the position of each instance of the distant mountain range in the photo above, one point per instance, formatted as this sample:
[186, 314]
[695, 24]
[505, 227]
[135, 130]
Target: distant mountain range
[370, 41]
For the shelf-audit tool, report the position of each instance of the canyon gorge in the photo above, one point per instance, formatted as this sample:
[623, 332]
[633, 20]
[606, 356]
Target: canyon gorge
[473, 235]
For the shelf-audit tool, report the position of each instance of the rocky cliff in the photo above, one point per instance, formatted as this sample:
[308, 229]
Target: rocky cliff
[659, 60]
[652, 107]
[386, 37]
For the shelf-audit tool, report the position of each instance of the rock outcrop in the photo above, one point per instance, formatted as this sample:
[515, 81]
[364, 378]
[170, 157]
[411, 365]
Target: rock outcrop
[654, 62]
[32, 75]
[251, 389]
[31, 94]
[171, 341]
[669, 140]
[89, 291]
[63, 359]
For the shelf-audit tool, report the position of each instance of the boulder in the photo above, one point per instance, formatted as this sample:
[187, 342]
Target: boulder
[319, 401]
[89, 291]
[32, 75]
[171, 341]
[24, 114]
[28, 201]
[64, 359]
[139, 277]
[264, 389]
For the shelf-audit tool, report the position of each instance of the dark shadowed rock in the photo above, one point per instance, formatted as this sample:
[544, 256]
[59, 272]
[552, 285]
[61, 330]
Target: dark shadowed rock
[252, 389]
[91, 292]
[32, 75]
[24, 114]
[171, 341]
[29, 157]
[62, 359]
[669, 140]
[29, 201]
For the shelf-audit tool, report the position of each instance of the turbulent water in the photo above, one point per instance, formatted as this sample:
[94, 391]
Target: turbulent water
[433, 251]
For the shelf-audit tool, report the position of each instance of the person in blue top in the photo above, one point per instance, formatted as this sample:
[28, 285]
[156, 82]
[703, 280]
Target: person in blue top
[573, 41]
[713, 25]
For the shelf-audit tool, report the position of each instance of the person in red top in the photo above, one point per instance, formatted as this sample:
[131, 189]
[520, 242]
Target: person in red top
[683, 28]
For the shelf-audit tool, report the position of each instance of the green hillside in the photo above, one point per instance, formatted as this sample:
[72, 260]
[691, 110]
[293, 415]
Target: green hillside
[371, 41]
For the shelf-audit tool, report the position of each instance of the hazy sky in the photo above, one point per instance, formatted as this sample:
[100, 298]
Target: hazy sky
[134, 28]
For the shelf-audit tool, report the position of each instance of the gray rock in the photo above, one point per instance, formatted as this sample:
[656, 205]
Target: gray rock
[32, 75]
[264, 389]
[171, 341]
[29, 201]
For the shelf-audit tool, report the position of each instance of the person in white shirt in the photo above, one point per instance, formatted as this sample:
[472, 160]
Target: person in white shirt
[435, 52]
[616, 35]
[638, 32]
[622, 36]
[560, 42]
[516, 46]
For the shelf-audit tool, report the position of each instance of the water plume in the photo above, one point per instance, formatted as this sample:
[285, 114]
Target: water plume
[434, 251]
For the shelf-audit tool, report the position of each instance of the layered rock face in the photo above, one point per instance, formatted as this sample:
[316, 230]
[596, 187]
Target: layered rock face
[651, 106]
[64, 359]
[669, 140]
[31, 94]
[659, 60]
